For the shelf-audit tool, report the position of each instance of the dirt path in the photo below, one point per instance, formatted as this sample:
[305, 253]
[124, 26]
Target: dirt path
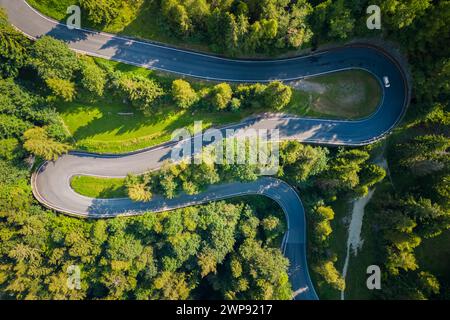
[354, 241]
[308, 86]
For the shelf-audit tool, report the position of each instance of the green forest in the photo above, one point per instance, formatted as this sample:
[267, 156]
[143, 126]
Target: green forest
[228, 249]
[244, 27]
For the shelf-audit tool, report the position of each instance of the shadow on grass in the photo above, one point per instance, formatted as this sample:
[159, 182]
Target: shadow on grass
[113, 192]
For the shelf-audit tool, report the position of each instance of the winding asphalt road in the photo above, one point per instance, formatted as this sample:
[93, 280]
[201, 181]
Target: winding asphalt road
[51, 183]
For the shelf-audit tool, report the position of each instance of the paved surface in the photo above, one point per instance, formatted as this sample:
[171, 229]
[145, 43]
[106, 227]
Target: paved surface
[51, 184]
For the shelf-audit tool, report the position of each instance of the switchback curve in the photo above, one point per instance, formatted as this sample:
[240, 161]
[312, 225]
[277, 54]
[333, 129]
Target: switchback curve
[51, 183]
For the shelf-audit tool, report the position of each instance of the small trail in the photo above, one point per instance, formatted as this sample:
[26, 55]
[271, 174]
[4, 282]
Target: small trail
[354, 240]
[308, 86]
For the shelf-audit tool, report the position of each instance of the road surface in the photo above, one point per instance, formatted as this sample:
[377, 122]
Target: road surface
[51, 183]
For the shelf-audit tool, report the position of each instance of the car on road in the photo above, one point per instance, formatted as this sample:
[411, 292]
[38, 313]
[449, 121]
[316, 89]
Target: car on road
[387, 84]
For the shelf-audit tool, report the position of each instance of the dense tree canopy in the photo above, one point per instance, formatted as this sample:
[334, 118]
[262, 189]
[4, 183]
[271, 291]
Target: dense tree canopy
[142, 92]
[53, 59]
[240, 26]
[13, 49]
[38, 143]
[93, 78]
[183, 94]
[101, 12]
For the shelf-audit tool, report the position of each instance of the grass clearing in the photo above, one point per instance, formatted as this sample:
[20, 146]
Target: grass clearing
[105, 127]
[350, 94]
[97, 187]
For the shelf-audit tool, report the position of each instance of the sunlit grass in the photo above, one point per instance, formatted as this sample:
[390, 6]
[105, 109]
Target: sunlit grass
[97, 187]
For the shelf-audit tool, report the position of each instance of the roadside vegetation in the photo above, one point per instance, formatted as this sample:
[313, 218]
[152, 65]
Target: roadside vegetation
[233, 28]
[237, 28]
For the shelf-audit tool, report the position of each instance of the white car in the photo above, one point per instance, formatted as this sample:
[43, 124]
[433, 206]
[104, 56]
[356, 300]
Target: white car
[387, 84]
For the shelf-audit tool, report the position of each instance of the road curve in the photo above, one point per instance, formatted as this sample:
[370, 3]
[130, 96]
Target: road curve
[153, 56]
[51, 183]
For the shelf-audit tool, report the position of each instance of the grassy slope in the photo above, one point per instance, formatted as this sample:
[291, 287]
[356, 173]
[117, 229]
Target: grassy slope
[99, 187]
[98, 127]
[349, 95]
[52, 8]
